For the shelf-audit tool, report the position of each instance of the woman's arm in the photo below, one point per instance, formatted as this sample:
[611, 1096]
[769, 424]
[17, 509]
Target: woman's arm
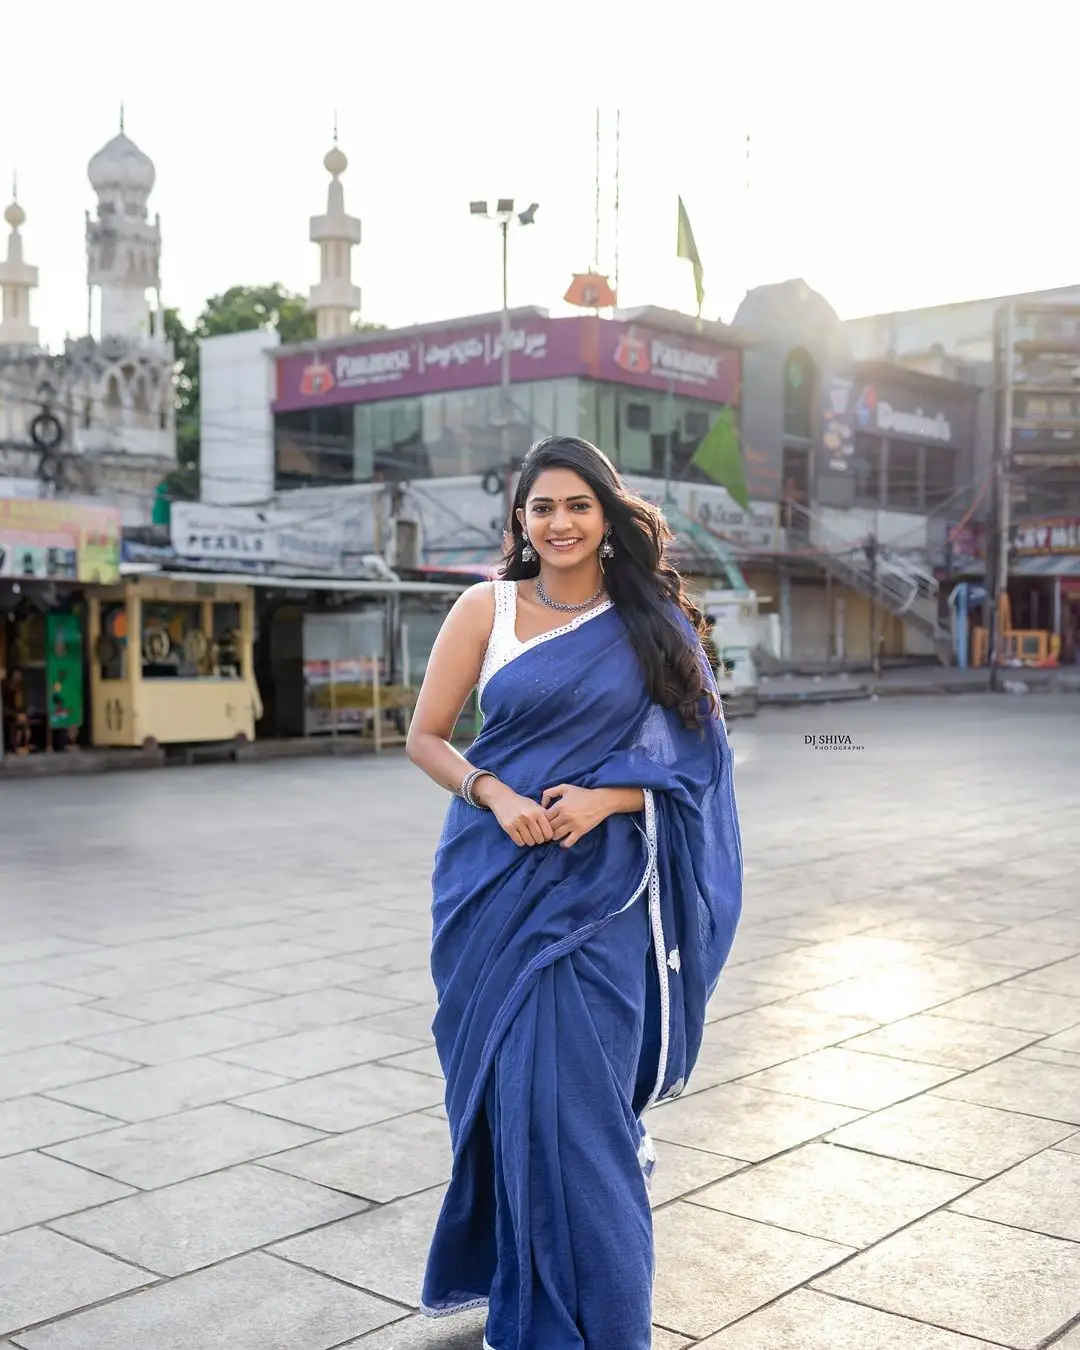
[623, 801]
[452, 673]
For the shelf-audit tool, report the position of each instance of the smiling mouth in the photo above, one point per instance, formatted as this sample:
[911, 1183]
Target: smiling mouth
[564, 545]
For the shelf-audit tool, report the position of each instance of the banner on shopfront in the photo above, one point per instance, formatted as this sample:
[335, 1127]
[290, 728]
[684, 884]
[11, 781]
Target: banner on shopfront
[650, 359]
[470, 357]
[1048, 537]
[838, 414]
[896, 413]
[59, 541]
[406, 366]
[754, 531]
[309, 541]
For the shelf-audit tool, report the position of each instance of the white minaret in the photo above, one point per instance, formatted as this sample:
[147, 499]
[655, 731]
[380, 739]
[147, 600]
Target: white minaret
[17, 280]
[123, 247]
[335, 299]
[122, 376]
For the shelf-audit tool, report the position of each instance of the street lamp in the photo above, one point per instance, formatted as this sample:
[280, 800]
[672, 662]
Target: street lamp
[504, 215]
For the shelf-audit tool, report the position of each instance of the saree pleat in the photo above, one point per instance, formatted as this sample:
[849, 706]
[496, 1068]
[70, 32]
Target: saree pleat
[567, 1183]
[572, 986]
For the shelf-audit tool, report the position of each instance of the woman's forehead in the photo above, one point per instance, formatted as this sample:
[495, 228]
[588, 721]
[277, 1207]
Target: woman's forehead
[560, 485]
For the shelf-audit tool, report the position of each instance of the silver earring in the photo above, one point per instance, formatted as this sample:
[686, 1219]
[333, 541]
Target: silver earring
[607, 548]
[528, 553]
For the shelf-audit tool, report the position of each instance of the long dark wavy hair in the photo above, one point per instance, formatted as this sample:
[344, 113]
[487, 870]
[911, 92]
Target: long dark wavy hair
[642, 583]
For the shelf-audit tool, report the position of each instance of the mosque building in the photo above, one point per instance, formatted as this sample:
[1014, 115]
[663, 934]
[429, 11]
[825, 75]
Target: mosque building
[110, 390]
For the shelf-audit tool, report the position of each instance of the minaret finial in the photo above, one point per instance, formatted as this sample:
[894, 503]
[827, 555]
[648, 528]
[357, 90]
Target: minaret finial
[121, 119]
[335, 126]
[14, 185]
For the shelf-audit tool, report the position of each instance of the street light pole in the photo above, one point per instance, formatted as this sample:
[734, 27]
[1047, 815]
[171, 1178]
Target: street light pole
[505, 373]
[505, 215]
[998, 556]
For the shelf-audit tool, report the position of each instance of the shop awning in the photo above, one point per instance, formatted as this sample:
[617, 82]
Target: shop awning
[284, 583]
[463, 557]
[482, 564]
[1059, 565]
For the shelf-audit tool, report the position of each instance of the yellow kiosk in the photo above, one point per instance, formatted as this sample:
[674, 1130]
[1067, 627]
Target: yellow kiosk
[171, 663]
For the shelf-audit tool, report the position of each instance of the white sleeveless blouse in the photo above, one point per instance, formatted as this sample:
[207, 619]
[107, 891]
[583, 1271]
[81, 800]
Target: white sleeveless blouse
[504, 645]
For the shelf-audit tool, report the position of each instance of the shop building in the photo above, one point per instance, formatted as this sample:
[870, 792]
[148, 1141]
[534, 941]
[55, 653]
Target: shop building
[426, 403]
[865, 459]
[960, 332]
[398, 439]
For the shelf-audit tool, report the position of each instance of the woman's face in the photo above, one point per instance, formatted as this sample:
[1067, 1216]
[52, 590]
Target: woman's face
[563, 519]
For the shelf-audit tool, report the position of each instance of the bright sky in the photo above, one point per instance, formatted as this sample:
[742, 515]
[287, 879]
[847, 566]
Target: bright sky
[901, 154]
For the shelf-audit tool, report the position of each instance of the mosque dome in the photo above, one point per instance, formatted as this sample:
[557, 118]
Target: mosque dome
[122, 166]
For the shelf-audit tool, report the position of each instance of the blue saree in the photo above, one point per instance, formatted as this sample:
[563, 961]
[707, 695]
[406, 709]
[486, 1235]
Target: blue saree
[572, 987]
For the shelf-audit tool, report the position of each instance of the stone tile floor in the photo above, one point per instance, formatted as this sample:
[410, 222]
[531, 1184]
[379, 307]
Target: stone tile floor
[220, 1120]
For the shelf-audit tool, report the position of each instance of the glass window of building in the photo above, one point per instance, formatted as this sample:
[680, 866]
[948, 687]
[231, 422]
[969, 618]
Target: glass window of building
[638, 417]
[799, 395]
[543, 412]
[940, 476]
[566, 408]
[635, 431]
[903, 486]
[866, 468]
[462, 432]
[314, 447]
[398, 451]
[598, 416]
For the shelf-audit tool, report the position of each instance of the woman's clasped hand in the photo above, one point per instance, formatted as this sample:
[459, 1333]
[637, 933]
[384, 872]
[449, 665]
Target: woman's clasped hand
[563, 815]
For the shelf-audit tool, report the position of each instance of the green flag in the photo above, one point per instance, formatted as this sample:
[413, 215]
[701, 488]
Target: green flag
[687, 249]
[719, 456]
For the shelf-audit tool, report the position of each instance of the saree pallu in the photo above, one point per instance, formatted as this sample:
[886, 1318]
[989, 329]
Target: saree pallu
[572, 988]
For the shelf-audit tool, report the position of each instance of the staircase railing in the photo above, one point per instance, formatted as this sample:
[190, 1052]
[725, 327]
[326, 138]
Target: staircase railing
[898, 583]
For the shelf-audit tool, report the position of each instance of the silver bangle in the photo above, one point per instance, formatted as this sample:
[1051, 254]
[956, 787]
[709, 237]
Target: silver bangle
[466, 789]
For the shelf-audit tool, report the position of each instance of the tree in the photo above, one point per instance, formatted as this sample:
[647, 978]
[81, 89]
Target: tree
[244, 308]
[240, 309]
[183, 482]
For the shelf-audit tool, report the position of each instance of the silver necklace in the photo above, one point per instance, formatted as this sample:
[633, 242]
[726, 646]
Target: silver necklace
[546, 599]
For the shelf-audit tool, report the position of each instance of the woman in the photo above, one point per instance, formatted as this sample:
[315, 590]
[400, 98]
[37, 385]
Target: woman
[586, 890]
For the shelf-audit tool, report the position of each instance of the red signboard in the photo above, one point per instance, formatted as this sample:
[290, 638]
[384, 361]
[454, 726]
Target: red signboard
[409, 364]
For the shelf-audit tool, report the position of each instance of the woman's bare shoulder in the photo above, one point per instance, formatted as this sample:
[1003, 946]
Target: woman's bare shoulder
[474, 609]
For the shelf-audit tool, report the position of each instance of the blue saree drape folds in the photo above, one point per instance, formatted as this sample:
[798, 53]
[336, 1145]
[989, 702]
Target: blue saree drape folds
[572, 989]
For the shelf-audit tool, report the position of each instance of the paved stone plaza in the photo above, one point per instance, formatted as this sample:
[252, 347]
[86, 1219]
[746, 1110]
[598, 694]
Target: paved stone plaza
[220, 1121]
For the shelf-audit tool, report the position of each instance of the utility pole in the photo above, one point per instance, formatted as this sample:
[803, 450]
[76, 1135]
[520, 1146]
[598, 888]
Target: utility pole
[669, 441]
[871, 550]
[997, 556]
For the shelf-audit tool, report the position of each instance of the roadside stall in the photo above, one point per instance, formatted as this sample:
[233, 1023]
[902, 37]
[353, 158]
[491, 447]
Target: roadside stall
[51, 554]
[348, 662]
[171, 663]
